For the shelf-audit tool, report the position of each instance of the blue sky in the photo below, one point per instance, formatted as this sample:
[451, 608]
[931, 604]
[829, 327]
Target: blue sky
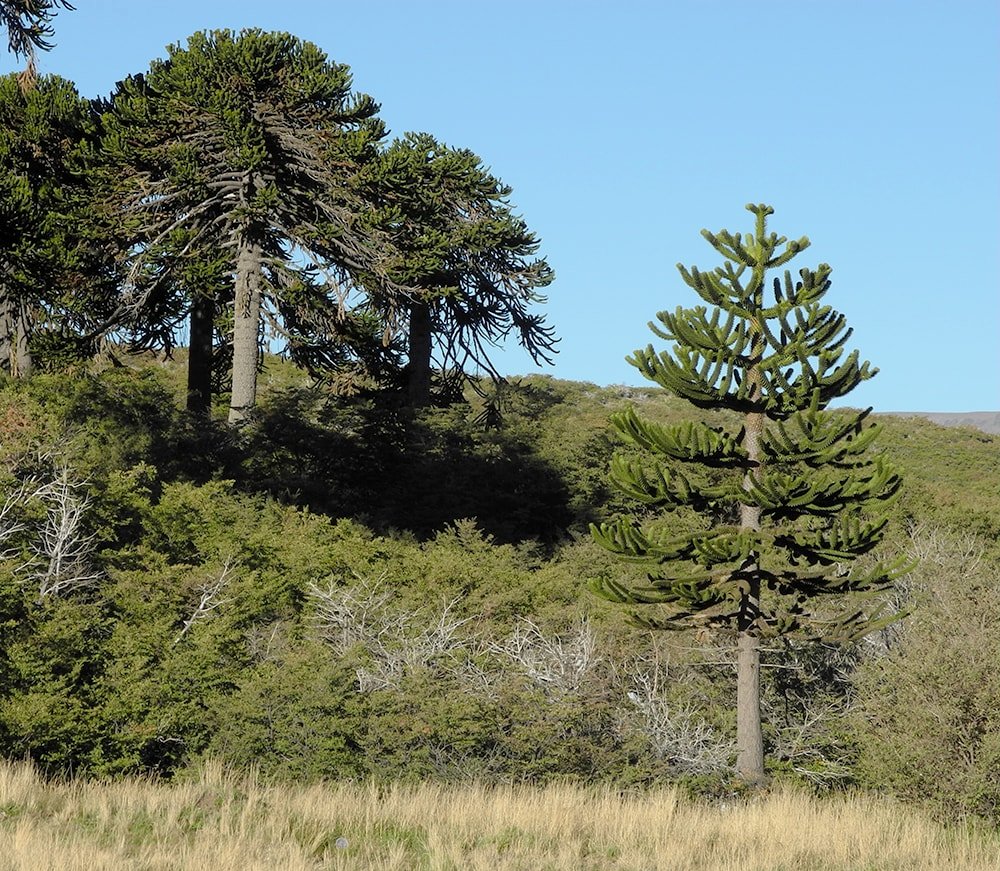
[871, 126]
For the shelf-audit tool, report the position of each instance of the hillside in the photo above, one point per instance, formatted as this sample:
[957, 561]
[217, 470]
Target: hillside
[987, 421]
[344, 589]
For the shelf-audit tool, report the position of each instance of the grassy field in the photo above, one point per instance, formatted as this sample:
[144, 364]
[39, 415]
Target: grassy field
[221, 822]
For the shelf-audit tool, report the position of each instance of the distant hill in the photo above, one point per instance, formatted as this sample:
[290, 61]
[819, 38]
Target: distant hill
[987, 421]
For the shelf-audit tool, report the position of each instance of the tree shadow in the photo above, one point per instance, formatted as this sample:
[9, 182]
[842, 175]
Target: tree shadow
[366, 458]
[393, 469]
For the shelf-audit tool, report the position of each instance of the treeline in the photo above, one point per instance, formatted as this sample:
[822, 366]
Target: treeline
[241, 193]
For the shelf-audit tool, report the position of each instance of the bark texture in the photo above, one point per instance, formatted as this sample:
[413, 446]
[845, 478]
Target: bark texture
[21, 361]
[749, 736]
[246, 330]
[15, 329]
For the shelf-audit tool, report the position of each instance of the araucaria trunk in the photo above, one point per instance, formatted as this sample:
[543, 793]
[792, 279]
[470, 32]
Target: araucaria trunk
[246, 329]
[749, 736]
[419, 366]
[15, 328]
[21, 361]
[199, 383]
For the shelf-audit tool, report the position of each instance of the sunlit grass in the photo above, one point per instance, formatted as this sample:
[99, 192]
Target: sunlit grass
[222, 822]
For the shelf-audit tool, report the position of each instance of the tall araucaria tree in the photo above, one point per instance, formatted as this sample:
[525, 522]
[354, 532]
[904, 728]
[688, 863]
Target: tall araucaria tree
[467, 261]
[764, 520]
[247, 144]
[56, 262]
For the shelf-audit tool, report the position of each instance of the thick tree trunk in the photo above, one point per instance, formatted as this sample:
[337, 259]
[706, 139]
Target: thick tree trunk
[6, 332]
[419, 365]
[21, 362]
[749, 736]
[246, 330]
[15, 328]
[199, 382]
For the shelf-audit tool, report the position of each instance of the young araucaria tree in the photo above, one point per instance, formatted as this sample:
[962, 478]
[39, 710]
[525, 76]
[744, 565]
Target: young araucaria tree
[764, 520]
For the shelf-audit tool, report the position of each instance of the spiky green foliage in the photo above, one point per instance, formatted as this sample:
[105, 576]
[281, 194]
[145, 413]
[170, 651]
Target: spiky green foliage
[57, 258]
[244, 146]
[469, 262]
[755, 527]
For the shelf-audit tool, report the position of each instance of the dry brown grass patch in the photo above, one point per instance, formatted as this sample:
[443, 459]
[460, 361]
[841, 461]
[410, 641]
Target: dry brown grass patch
[226, 822]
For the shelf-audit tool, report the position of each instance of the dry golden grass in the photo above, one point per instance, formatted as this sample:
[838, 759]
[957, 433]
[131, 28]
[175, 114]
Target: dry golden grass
[223, 822]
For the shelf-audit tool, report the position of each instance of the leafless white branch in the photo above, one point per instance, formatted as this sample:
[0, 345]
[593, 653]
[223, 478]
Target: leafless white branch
[11, 524]
[558, 664]
[210, 594]
[396, 642]
[936, 549]
[676, 732]
[63, 549]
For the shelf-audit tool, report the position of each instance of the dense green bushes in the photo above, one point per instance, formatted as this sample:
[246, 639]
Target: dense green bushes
[928, 718]
[218, 611]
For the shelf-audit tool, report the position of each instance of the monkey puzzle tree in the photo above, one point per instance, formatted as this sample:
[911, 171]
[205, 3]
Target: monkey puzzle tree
[55, 263]
[764, 519]
[246, 144]
[467, 261]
